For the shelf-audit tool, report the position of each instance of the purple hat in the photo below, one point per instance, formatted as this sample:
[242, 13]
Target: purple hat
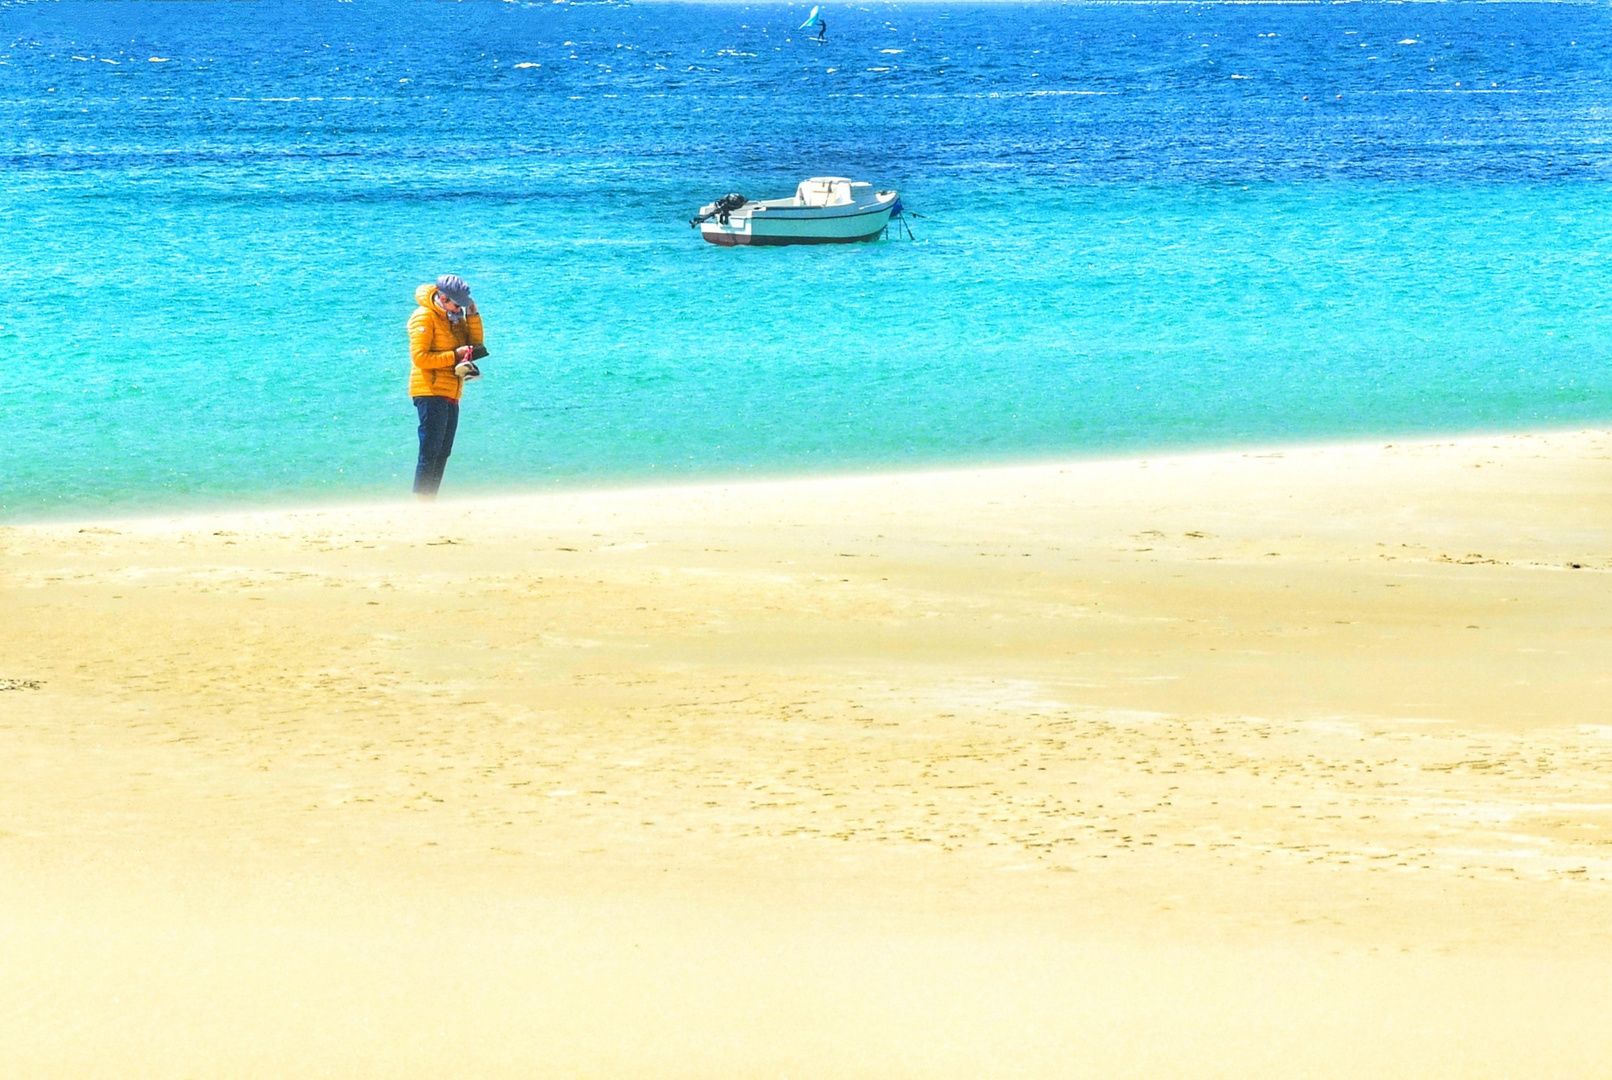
[454, 288]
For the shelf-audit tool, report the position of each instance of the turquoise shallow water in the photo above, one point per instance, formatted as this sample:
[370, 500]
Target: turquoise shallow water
[1123, 248]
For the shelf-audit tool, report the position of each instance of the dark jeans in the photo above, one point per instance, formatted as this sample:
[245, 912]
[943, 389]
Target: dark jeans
[439, 419]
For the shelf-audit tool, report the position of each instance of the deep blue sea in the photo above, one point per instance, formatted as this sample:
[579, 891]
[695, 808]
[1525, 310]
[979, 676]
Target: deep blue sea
[1144, 227]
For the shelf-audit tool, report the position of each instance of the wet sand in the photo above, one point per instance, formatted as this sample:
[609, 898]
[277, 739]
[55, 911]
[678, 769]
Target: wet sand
[1280, 763]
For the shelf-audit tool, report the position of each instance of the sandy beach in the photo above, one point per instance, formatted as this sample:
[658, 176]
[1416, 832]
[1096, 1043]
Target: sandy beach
[1273, 763]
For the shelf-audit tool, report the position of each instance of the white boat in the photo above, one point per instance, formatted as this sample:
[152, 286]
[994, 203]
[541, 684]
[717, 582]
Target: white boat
[824, 210]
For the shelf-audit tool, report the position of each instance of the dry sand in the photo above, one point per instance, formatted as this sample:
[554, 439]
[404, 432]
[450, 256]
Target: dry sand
[1262, 764]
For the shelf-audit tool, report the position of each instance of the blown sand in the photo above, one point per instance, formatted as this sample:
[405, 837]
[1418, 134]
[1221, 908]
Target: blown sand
[1287, 763]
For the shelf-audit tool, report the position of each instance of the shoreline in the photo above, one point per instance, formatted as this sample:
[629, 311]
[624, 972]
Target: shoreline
[1260, 762]
[851, 474]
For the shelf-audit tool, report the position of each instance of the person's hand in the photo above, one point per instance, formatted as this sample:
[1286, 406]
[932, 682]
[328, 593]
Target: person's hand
[463, 354]
[470, 309]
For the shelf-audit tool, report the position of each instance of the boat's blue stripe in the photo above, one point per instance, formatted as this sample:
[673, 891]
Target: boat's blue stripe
[773, 215]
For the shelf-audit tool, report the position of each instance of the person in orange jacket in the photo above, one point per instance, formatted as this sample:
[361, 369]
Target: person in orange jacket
[443, 334]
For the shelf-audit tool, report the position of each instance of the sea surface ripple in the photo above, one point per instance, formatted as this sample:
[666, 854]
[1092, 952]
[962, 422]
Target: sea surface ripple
[1144, 227]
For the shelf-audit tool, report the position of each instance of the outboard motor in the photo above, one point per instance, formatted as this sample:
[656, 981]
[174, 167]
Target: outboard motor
[719, 209]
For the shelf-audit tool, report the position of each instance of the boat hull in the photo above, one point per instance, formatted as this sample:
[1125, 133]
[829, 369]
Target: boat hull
[737, 239]
[767, 226]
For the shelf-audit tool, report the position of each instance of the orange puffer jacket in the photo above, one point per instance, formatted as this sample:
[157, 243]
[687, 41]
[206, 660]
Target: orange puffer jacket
[432, 340]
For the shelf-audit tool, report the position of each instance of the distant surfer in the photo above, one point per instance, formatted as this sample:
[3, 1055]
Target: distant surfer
[822, 24]
[444, 343]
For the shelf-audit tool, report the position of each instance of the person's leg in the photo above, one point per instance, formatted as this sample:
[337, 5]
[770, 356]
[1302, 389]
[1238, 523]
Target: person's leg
[450, 427]
[447, 425]
[435, 430]
[422, 465]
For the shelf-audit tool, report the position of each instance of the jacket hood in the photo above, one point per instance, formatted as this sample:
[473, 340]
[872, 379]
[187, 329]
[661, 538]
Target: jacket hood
[422, 295]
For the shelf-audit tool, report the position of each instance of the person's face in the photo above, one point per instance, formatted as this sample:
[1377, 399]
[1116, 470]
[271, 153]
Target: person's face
[449, 306]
